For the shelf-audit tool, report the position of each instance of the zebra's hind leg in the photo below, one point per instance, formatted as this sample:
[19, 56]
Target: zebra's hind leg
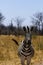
[28, 60]
[22, 60]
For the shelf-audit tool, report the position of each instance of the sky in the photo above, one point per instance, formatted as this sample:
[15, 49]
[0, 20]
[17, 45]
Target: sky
[20, 8]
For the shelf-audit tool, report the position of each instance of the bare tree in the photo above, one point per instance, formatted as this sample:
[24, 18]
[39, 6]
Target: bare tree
[42, 28]
[37, 20]
[10, 28]
[19, 22]
[1, 20]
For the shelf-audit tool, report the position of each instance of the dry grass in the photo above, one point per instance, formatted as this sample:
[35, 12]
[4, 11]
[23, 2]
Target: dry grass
[8, 50]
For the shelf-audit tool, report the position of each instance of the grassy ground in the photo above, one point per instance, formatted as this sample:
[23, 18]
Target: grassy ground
[8, 50]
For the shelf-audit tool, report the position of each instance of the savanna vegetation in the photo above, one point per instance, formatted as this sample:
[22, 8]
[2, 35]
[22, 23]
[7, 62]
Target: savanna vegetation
[8, 49]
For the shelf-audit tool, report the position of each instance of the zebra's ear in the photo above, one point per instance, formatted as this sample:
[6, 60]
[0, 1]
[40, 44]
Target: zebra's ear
[28, 28]
[24, 28]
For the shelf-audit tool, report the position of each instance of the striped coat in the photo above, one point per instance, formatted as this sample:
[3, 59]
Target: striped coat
[26, 49]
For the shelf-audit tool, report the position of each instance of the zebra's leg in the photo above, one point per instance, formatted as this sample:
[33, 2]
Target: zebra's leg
[22, 60]
[28, 60]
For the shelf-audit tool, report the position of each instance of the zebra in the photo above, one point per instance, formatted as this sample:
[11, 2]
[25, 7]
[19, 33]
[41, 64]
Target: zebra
[25, 50]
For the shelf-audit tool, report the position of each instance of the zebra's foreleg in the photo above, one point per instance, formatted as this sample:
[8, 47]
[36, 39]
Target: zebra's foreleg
[28, 60]
[22, 60]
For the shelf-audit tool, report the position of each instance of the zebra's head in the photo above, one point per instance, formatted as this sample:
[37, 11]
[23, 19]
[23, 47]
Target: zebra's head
[27, 34]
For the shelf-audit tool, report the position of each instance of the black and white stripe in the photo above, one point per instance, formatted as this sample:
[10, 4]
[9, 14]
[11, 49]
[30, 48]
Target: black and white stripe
[26, 49]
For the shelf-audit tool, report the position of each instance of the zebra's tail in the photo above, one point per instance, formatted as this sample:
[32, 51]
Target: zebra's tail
[15, 42]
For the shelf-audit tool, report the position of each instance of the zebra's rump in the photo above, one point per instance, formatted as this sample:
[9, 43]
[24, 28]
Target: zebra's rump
[30, 52]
